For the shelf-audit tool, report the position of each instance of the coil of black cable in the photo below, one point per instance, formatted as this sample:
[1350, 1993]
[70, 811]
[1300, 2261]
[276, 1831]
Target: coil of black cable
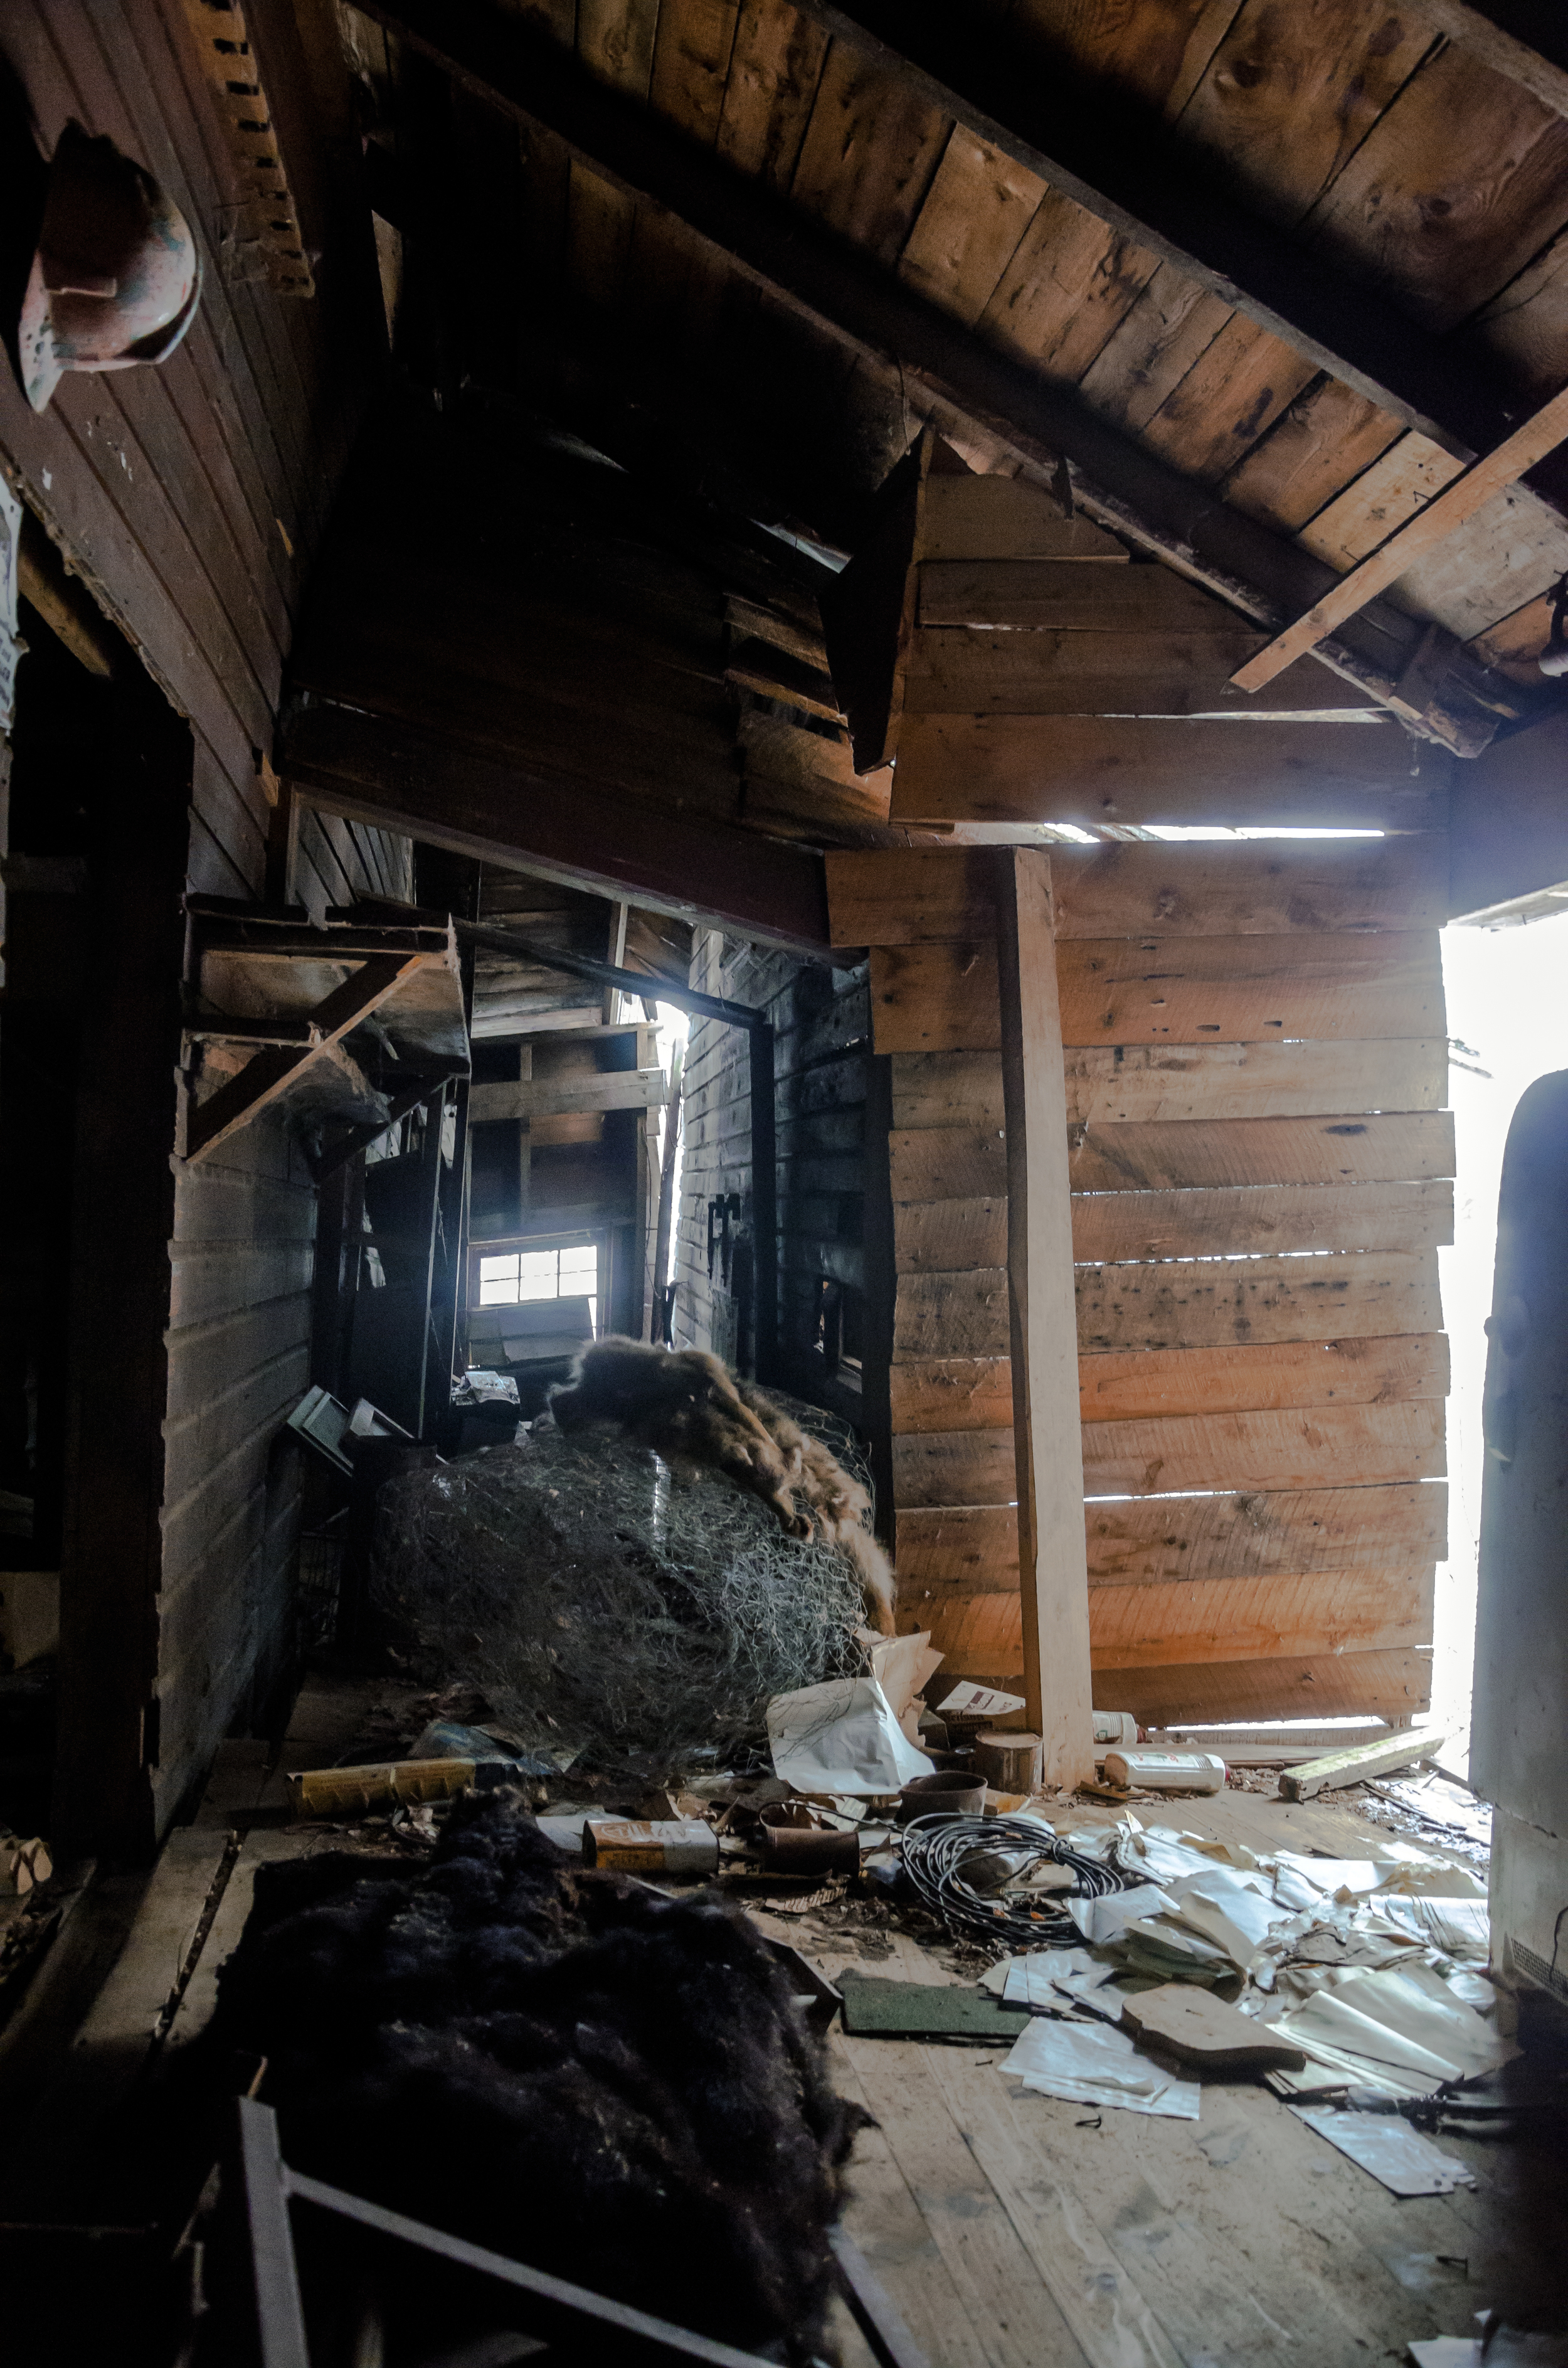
[934, 1849]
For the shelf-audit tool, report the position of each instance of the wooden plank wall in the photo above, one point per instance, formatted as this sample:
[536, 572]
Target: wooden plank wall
[192, 499]
[821, 1078]
[1256, 1069]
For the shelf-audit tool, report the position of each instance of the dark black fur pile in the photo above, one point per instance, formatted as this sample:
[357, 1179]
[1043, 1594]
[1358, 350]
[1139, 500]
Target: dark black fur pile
[556, 2065]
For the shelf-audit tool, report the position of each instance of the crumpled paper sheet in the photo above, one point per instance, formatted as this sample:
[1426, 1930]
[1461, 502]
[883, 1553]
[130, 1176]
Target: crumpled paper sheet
[841, 1738]
[1401, 2030]
[1406, 2162]
[1090, 2064]
[1052, 1981]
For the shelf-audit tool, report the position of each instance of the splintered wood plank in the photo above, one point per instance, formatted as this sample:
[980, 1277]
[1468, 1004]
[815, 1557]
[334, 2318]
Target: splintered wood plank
[1252, 988]
[951, 1314]
[978, 208]
[1313, 450]
[1513, 547]
[954, 671]
[1240, 1081]
[1202, 1303]
[932, 1394]
[1217, 1620]
[775, 67]
[1387, 1148]
[1398, 1525]
[1066, 285]
[1123, 1386]
[1515, 643]
[1396, 486]
[1139, 769]
[1393, 1685]
[1335, 1446]
[944, 1235]
[869, 155]
[1006, 517]
[1135, 888]
[1236, 388]
[943, 1162]
[953, 1467]
[1054, 594]
[691, 64]
[936, 998]
[1453, 191]
[1112, 1226]
[1153, 347]
[1291, 93]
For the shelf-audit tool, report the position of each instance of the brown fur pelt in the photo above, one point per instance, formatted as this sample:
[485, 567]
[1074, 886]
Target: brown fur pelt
[689, 1407]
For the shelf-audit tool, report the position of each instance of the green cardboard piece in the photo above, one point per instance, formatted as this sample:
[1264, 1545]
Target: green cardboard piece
[882, 2010]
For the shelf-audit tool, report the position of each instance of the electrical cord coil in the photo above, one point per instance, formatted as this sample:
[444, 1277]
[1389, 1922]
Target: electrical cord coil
[934, 1849]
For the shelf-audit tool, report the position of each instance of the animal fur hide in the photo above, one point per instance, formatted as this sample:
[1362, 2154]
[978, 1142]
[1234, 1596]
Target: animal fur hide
[555, 2064]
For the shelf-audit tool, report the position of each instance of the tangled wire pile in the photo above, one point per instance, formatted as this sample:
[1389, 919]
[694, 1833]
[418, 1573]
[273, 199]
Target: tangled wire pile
[935, 1850]
[605, 1605]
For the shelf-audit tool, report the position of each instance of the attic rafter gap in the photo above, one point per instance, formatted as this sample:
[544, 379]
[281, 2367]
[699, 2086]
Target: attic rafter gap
[851, 297]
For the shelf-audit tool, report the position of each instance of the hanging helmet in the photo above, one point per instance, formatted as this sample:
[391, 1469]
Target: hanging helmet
[117, 274]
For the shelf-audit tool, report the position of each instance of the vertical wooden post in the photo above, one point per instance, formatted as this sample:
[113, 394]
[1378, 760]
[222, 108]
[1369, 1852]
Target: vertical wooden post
[1052, 1560]
[764, 1203]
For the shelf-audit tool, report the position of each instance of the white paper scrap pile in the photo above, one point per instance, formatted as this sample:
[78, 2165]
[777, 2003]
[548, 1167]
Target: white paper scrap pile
[841, 1738]
[1090, 2064]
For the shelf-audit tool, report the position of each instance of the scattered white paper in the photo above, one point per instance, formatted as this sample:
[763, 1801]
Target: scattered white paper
[1162, 1855]
[1102, 1919]
[977, 1701]
[1092, 2065]
[1461, 1928]
[901, 1665]
[1504, 2347]
[841, 1738]
[1398, 2029]
[1051, 1981]
[1407, 2163]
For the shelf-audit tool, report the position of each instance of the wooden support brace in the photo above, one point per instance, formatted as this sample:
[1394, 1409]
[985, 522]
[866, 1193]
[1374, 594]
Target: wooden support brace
[271, 1073]
[1052, 1559]
[1488, 476]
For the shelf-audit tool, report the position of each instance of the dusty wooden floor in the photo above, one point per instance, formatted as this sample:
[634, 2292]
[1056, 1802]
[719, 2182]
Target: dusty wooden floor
[1012, 2230]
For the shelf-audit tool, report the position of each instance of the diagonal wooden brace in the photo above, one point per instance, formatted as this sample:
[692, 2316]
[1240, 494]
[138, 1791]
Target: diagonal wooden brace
[270, 1074]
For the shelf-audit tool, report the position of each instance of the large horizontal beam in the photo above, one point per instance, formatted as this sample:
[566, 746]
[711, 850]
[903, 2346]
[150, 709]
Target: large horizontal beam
[848, 293]
[375, 770]
[1126, 168]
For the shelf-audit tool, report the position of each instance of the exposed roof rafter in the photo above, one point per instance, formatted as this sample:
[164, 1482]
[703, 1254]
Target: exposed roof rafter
[846, 292]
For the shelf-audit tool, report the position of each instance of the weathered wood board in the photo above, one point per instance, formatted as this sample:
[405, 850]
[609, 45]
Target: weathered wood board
[953, 1467]
[1214, 1620]
[1231, 1220]
[1207, 1301]
[1188, 1154]
[951, 1394]
[1156, 1083]
[942, 997]
[1400, 1526]
[1307, 1447]
[1094, 769]
[1125, 888]
[1136, 1383]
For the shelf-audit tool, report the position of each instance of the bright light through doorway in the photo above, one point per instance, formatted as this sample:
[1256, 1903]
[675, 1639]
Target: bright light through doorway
[1508, 1000]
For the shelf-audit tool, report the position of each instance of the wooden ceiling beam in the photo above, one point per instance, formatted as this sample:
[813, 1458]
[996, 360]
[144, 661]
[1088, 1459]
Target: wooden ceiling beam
[1118, 160]
[376, 770]
[1430, 527]
[848, 293]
